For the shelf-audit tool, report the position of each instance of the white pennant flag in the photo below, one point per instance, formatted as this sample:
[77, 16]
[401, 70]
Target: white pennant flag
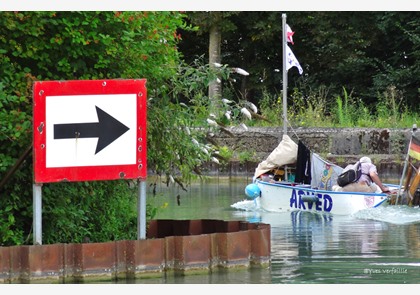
[291, 60]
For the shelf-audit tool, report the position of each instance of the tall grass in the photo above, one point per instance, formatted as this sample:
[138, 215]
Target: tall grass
[319, 109]
[309, 110]
[271, 108]
[351, 112]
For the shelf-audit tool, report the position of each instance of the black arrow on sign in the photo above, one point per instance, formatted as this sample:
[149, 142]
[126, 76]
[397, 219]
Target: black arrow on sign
[107, 129]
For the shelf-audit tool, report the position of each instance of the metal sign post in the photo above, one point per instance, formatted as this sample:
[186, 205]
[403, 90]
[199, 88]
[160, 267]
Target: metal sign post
[141, 211]
[37, 213]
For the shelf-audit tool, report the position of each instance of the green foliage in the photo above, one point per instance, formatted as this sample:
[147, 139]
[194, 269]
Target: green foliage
[182, 125]
[346, 111]
[310, 110]
[10, 233]
[174, 143]
[102, 45]
[226, 152]
[90, 211]
[15, 208]
[66, 46]
[389, 106]
[271, 107]
[313, 110]
[366, 52]
[377, 51]
[246, 156]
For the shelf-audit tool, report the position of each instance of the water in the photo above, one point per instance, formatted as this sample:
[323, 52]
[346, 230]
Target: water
[375, 246]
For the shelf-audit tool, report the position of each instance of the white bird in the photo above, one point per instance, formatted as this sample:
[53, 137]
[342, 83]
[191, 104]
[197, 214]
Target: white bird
[205, 150]
[253, 107]
[246, 113]
[215, 160]
[226, 101]
[211, 122]
[217, 65]
[244, 126]
[171, 179]
[241, 71]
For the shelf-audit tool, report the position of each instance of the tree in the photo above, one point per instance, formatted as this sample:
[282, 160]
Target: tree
[215, 23]
[398, 46]
[363, 52]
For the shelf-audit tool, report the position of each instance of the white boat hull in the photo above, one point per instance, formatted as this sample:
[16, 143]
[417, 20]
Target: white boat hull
[278, 197]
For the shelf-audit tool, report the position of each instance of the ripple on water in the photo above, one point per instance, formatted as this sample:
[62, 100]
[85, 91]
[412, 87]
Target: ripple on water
[392, 214]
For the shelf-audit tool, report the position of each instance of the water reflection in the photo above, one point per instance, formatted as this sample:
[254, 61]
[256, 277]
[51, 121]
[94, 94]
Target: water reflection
[373, 246]
[309, 247]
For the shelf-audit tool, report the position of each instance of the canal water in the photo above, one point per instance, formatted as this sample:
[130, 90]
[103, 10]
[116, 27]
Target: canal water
[375, 250]
[375, 246]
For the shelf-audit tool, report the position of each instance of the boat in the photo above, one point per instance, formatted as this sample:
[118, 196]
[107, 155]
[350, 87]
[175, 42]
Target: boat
[277, 186]
[294, 178]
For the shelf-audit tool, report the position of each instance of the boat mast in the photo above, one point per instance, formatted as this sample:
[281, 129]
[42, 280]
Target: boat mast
[284, 43]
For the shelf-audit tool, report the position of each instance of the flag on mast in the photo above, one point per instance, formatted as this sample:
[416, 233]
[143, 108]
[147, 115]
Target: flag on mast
[414, 149]
[291, 60]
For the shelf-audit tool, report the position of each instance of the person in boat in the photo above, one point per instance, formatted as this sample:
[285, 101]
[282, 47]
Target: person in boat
[369, 181]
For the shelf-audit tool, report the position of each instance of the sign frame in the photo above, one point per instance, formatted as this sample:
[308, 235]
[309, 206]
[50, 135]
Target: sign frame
[51, 89]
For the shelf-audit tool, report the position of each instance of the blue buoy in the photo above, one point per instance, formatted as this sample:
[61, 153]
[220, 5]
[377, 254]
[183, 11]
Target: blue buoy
[252, 191]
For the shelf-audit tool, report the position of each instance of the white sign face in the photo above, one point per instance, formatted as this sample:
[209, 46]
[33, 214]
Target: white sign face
[91, 130]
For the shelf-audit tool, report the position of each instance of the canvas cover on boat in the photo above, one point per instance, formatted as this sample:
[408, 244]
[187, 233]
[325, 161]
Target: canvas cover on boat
[285, 153]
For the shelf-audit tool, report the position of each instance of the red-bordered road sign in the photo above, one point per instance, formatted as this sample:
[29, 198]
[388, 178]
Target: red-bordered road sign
[86, 130]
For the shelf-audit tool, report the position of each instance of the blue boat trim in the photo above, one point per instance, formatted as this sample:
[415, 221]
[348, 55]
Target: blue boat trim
[380, 203]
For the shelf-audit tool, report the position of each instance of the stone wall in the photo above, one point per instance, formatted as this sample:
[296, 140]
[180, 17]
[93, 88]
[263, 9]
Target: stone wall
[387, 147]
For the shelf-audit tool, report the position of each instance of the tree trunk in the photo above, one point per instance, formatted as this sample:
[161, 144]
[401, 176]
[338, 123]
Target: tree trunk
[215, 39]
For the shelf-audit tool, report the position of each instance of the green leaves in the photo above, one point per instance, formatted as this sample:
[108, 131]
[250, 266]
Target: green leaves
[66, 46]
